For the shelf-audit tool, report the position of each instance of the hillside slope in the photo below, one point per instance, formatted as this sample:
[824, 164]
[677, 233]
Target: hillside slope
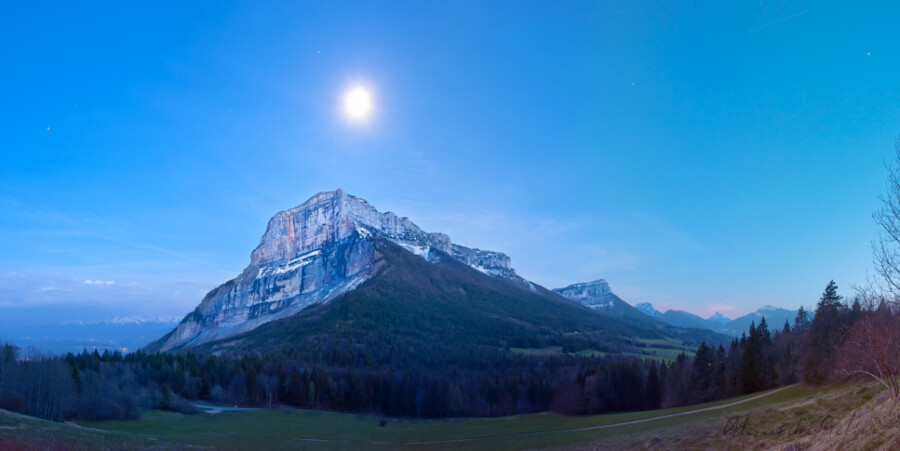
[449, 308]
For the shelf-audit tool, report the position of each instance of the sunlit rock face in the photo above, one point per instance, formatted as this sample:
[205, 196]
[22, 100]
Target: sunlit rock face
[311, 254]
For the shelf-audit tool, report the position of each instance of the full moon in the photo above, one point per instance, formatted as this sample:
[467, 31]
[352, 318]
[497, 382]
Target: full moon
[358, 103]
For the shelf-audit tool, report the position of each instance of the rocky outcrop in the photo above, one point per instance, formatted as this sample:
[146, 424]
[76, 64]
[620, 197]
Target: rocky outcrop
[596, 294]
[311, 254]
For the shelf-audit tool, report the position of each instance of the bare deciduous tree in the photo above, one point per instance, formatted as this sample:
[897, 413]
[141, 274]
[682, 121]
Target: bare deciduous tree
[886, 249]
[872, 348]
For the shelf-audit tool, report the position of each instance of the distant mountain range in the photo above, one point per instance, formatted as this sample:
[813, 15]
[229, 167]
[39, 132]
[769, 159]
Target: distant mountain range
[125, 333]
[598, 296]
[775, 318]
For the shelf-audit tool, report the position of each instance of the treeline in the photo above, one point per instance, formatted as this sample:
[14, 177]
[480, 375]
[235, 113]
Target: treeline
[109, 385]
[54, 388]
[839, 341]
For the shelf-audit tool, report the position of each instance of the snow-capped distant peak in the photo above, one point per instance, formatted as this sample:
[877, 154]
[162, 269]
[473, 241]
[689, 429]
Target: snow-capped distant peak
[126, 320]
[719, 318]
[142, 319]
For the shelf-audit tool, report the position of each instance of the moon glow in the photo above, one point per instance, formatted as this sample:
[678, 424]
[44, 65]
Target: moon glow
[358, 103]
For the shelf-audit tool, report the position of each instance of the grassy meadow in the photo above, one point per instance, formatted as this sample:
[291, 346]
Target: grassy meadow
[799, 414]
[657, 349]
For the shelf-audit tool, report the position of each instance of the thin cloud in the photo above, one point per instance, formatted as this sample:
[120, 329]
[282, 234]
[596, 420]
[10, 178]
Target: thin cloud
[100, 282]
[770, 24]
[21, 297]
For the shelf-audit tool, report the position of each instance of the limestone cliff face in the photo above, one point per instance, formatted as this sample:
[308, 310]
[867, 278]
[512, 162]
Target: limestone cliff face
[311, 254]
[596, 294]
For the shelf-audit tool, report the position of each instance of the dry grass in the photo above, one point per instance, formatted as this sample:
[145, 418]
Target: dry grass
[856, 417]
[875, 425]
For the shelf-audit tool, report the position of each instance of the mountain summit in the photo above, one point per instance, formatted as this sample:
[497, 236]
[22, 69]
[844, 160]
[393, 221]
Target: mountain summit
[647, 309]
[312, 254]
[598, 296]
[719, 318]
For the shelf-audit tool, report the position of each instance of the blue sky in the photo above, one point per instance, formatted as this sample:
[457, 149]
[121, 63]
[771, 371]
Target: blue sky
[702, 156]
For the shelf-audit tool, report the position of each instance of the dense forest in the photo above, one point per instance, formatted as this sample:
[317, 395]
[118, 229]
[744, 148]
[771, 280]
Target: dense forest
[836, 342]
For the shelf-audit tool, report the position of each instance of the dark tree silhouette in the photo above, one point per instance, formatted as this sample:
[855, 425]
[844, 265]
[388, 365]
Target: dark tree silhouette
[824, 336]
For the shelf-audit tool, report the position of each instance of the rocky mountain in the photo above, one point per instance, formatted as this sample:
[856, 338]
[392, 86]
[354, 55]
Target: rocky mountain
[719, 318]
[598, 296]
[312, 254]
[647, 309]
[335, 273]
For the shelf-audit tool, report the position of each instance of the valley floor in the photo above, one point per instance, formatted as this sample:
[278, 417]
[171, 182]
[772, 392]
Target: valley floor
[846, 417]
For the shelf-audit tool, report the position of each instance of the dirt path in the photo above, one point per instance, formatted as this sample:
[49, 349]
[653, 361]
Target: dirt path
[672, 415]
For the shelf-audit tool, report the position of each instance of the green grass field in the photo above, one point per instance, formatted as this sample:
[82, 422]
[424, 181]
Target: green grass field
[659, 350]
[288, 428]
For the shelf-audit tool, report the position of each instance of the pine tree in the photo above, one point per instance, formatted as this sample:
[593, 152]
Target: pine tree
[801, 321]
[751, 360]
[719, 373]
[652, 390]
[823, 336]
[702, 374]
[767, 373]
[455, 404]
[830, 297]
[733, 361]
[663, 383]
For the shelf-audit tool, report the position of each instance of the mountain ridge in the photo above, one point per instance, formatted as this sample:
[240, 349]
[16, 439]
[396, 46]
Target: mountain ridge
[775, 317]
[442, 307]
[333, 244]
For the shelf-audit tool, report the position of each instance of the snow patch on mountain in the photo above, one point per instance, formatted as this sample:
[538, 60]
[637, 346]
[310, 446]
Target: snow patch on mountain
[292, 265]
[421, 251]
[595, 295]
[647, 309]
